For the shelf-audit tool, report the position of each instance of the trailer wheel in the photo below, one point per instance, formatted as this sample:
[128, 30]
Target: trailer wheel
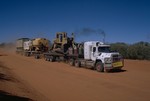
[37, 56]
[51, 59]
[58, 59]
[24, 54]
[99, 67]
[28, 54]
[77, 63]
[45, 57]
[71, 62]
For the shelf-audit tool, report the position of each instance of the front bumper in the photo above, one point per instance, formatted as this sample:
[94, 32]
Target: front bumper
[114, 65]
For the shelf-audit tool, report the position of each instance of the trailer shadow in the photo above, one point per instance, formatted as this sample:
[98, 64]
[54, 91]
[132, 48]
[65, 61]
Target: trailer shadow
[4, 96]
[4, 74]
[3, 54]
[4, 77]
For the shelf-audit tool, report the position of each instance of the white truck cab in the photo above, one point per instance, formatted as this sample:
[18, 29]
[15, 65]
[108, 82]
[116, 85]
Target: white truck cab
[103, 59]
[27, 45]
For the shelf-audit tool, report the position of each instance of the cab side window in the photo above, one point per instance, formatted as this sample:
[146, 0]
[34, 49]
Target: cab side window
[57, 35]
[94, 49]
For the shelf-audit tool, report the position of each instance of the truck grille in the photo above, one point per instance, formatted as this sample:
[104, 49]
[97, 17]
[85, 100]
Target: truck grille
[116, 58]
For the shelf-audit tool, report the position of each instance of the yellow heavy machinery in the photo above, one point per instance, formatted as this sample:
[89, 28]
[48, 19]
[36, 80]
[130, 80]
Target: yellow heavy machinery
[36, 47]
[62, 42]
[60, 47]
[40, 44]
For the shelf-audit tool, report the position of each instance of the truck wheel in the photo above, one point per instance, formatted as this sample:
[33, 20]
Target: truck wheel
[77, 63]
[71, 62]
[99, 67]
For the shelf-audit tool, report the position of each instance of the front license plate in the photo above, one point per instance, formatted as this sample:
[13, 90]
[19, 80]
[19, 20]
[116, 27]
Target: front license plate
[117, 64]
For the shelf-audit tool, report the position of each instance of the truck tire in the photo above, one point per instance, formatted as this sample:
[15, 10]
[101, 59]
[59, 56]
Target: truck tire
[99, 67]
[77, 63]
[71, 62]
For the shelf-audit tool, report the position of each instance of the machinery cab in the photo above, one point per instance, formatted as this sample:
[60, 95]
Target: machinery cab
[61, 38]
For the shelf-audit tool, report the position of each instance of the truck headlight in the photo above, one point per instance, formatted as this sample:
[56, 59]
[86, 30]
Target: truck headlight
[107, 60]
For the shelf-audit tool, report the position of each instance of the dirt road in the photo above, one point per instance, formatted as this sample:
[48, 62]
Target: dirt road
[61, 82]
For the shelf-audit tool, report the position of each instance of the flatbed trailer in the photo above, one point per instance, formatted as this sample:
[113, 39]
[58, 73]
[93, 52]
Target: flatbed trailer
[36, 54]
[72, 59]
[54, 56]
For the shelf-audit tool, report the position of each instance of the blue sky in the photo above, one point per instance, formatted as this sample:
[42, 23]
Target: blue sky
[121, 20]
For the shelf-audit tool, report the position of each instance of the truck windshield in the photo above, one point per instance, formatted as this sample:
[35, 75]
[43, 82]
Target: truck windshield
[104, 49]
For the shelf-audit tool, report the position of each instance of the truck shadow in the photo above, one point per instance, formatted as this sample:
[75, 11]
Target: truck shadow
[117, 71]
[4, 96]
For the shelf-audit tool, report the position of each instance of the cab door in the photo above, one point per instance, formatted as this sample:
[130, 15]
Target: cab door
[93, 53]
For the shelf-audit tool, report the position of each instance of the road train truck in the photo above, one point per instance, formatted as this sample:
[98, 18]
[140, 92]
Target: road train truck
[90, 54]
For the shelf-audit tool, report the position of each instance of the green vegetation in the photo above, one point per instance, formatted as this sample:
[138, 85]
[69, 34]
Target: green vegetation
[140, 50]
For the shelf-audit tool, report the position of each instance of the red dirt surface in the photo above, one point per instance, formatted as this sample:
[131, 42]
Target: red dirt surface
[55, 81]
